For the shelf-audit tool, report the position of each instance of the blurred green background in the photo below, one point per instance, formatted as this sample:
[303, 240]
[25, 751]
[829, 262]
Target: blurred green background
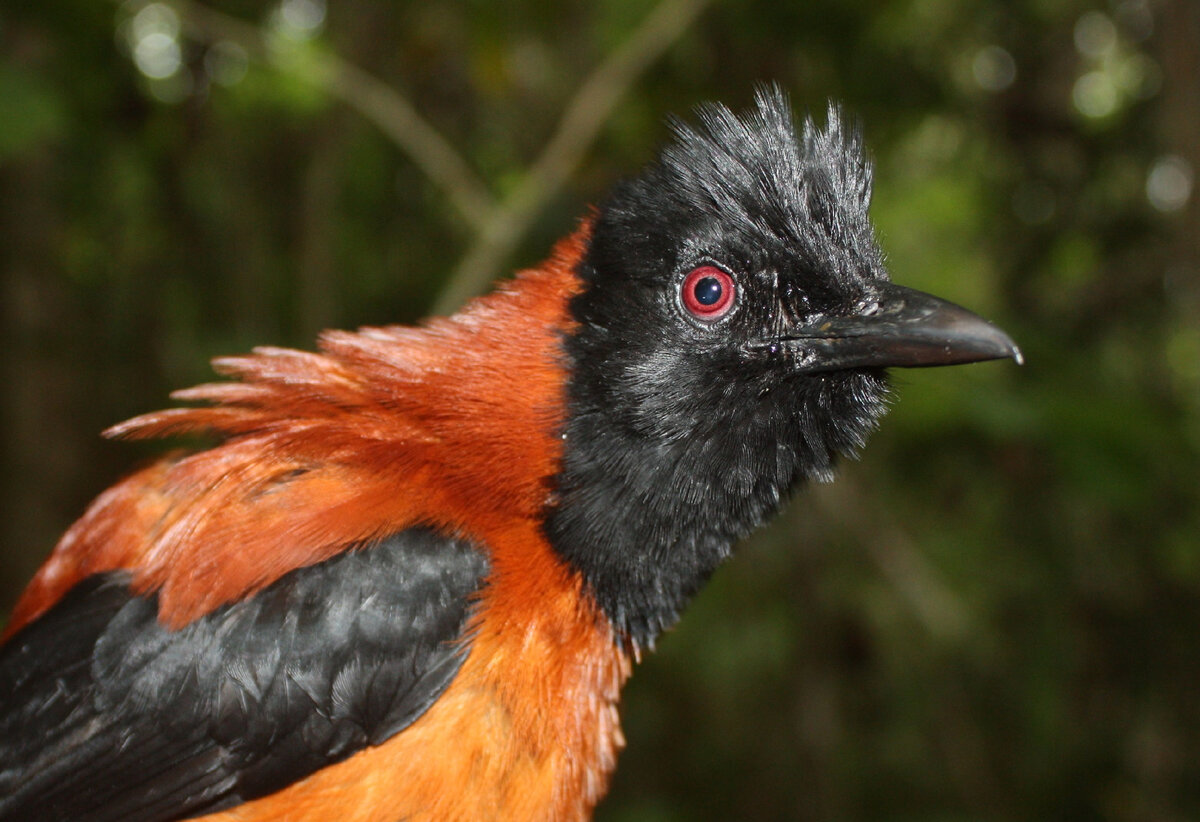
[992, 615]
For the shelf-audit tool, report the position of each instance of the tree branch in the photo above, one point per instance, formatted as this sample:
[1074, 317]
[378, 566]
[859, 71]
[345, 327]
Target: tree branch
[916, 582]
[369, 96]
[576, 131]
[499, 227]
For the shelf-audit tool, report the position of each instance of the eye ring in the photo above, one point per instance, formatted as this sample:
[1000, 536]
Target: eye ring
[708, 293]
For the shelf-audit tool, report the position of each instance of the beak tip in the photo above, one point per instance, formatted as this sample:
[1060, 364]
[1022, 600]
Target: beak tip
[1002, 347]
[1002, 344]
[1006, 348]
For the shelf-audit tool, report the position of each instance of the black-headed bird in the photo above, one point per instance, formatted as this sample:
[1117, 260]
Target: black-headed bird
[411, 579]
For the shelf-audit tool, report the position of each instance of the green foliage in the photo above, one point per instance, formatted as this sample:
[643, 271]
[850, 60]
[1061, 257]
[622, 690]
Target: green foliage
[33, 114]
[991, 616]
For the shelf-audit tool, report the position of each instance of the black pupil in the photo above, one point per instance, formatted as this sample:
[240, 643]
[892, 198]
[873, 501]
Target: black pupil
[707, 291]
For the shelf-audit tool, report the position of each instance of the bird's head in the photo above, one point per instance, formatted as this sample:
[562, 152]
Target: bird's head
[733, 332]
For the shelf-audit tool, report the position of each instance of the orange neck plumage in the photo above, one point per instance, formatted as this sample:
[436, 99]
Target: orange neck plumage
[386, 428]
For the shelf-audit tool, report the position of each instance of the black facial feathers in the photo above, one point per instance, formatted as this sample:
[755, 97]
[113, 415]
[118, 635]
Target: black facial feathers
[685, 432]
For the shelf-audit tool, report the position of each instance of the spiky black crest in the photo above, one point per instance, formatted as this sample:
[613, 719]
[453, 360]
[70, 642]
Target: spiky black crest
[682, 435]
[811, 190]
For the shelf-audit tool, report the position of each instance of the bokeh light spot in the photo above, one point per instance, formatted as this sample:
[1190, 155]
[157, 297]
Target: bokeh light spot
[1095, 34]
[1095, 95]
[153, 39]
[226, 63]
[157, 56]
[994, 68]
[154, 18]
[300, 19]
[1169, 183]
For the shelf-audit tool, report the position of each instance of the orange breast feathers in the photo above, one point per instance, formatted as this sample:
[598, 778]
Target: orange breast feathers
[454, 425]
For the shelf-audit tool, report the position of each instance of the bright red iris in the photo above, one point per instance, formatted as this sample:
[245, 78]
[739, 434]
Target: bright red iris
[708, 292]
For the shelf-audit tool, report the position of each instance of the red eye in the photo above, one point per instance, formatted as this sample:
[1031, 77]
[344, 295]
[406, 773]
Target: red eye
[707, 292]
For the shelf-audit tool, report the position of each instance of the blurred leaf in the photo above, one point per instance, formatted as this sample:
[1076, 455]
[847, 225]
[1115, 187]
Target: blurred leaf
[33, 113]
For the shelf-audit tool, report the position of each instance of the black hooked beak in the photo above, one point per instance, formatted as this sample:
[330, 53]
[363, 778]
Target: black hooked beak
[900, 327]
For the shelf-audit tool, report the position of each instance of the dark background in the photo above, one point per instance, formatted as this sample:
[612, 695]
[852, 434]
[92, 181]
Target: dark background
[993, 615]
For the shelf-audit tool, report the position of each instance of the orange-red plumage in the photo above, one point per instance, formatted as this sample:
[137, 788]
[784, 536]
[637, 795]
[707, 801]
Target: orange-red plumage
[386, 429]
[383, 429]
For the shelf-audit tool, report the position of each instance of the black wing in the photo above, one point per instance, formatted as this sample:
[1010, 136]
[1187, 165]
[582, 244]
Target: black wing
[106, 715]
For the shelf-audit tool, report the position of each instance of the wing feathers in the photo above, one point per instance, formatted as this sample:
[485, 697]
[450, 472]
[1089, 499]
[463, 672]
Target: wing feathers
[111, 715]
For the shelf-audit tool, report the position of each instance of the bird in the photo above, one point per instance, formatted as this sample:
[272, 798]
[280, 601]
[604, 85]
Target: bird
[411, 576]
